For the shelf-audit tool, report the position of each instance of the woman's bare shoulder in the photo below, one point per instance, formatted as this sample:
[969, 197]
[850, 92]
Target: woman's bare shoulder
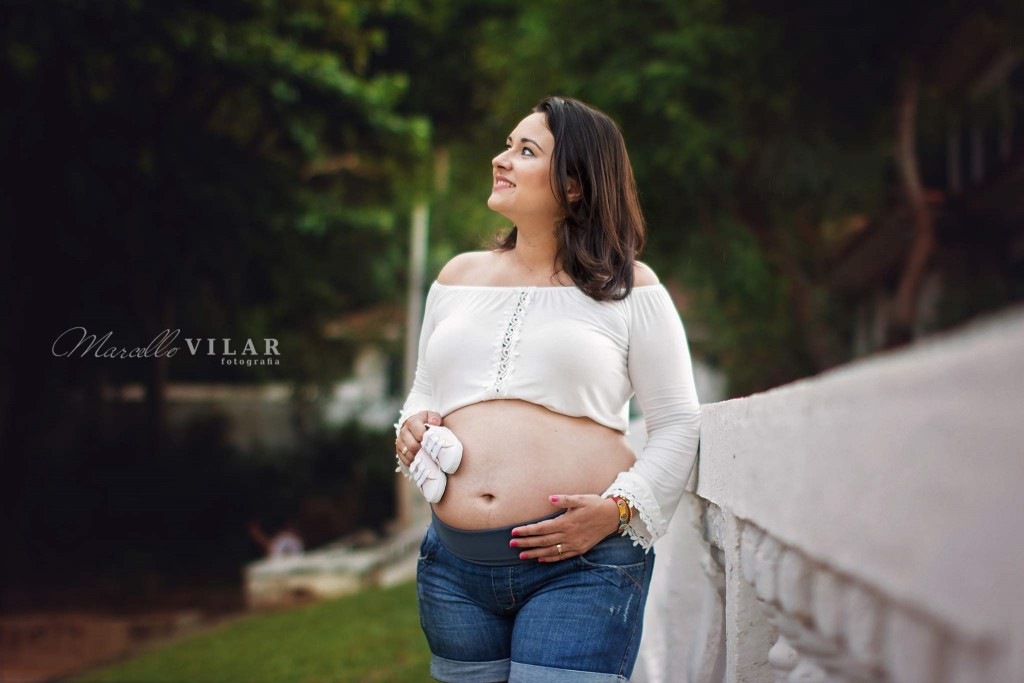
[469, 268]
[643, 275]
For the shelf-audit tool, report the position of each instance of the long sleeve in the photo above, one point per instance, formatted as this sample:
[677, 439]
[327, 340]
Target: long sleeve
[421, 396]
[661, 374]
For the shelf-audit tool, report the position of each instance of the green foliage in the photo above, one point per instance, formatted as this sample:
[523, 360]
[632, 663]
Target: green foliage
[246, 169]
[761, 142]
[746, 307]
[227, 157]
[373, 635]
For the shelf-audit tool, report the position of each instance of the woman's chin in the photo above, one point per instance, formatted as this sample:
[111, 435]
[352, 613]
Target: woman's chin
[494, 203]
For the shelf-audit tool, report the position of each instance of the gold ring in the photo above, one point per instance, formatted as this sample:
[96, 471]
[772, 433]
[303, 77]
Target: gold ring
[558, 547]
[405, 450]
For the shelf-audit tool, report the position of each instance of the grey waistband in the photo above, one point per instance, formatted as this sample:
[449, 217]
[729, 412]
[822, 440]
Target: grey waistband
[482, 546]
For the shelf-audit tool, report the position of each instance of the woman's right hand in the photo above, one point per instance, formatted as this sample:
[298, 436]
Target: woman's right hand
[409, 437]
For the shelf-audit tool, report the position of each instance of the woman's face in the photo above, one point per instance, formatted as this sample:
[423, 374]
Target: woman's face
[522, 174]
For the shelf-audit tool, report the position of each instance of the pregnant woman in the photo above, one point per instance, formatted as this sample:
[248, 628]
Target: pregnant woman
[537, 562]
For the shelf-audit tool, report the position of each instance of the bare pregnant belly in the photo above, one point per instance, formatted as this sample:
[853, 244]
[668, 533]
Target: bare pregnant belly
[518, 454]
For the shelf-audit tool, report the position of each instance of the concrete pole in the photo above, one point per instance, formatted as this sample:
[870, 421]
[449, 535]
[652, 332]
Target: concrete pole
[412, 508]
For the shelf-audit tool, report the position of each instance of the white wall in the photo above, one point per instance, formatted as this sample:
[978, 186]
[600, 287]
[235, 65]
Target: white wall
[868, 523]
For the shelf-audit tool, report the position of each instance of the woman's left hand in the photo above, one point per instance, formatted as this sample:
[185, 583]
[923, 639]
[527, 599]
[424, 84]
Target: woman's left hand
[588, 520]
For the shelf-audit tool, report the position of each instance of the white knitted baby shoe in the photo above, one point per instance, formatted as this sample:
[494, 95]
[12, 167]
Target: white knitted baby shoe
[428, 476]
[444, 447]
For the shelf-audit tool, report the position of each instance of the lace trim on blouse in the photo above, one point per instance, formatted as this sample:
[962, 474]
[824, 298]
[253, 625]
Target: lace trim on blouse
[508, 345]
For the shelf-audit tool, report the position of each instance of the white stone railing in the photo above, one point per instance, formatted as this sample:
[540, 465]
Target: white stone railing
[868, 524]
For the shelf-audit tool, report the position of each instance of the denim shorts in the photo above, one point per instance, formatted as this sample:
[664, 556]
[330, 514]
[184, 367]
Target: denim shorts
[578, 620]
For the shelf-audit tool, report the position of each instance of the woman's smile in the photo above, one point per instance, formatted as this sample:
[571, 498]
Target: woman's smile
[503, 183]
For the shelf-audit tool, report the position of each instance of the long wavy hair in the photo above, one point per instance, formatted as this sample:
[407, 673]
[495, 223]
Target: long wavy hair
[602, 232]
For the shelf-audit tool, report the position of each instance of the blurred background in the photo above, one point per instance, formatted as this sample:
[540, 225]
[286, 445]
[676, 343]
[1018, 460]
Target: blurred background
[822, 181]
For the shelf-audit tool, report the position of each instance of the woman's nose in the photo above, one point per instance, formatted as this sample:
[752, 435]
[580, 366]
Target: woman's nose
[500, 161]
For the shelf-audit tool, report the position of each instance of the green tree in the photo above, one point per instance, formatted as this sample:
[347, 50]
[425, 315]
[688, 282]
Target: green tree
[200, 158]
[220, 167]
[767, 139]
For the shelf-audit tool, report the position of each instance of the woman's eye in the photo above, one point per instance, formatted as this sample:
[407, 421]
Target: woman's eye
[526, 150]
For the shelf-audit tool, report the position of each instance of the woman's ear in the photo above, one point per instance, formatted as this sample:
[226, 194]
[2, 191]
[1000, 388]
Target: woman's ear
[575, 190]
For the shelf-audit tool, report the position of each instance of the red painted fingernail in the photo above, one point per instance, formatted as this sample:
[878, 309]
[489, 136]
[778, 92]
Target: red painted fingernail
[515, 532]
[554, 499]
[541, 559]
[522, 556]
[513, 544]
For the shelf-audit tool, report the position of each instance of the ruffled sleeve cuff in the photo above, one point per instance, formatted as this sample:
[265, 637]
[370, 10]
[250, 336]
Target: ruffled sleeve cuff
[402, 468]
[649, 524]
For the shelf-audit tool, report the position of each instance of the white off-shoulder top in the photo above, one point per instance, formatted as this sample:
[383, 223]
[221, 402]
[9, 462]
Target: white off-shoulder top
[558, 348]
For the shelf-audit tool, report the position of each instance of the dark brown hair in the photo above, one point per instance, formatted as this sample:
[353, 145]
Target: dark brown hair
[602, 232]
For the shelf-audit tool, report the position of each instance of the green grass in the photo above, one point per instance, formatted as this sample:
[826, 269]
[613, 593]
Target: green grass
[372, 636]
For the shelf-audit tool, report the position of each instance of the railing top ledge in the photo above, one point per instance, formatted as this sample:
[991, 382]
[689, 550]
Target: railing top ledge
[905, 469]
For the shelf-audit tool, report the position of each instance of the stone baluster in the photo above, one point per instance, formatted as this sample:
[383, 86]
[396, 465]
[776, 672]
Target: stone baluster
[707, 648]
[814, 625]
